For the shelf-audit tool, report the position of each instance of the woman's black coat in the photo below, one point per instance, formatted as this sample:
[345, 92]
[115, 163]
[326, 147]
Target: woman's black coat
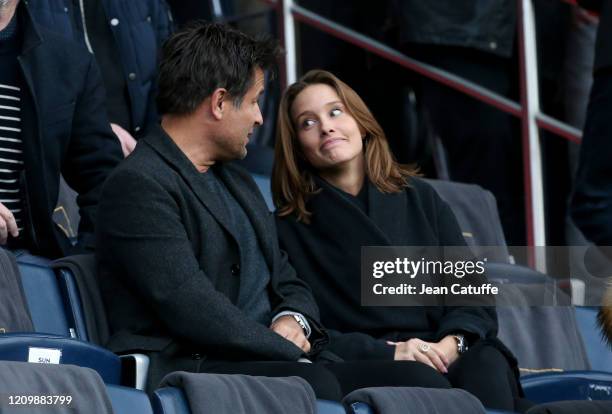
[326, 254]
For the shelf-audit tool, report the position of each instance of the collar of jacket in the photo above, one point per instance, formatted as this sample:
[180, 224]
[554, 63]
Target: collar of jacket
[256, 210]
[385, 220]
[31, 34]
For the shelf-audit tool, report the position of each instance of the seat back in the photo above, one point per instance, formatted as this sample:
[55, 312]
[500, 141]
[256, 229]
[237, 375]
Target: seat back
[128, 400]
[476, 211]
[263, 182]
[564, 386]
[44, 297]
[53, 349]
[599, 353]
[170, 400]
[361, 408]
[54, 340]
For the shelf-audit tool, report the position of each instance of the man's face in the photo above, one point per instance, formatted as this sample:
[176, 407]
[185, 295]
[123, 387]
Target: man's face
[239, 122]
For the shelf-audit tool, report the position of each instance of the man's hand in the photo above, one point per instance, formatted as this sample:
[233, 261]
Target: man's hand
[8, 225]
[437, 355]
[287, 327]
[128, 143]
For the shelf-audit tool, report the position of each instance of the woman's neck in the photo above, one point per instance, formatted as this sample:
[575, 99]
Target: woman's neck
[348, 178]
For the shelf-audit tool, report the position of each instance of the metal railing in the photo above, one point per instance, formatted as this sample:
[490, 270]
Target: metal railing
[528, 111]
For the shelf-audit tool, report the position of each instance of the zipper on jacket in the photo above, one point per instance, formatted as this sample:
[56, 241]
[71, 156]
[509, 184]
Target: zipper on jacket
[82, 10]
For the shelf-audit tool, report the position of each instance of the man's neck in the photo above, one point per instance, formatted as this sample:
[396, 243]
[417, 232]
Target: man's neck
[348, 177]
[6, 13]
[189, 138]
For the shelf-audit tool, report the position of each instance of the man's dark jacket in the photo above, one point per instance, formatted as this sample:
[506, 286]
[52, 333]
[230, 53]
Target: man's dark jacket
[141, 28]
[169, 263]
[65, 129]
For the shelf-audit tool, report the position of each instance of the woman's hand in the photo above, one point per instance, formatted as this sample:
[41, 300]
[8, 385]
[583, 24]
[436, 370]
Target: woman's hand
[448, 344]
[429, 353]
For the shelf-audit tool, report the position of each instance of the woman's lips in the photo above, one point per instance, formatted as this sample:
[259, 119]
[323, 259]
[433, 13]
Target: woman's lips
[332, 142]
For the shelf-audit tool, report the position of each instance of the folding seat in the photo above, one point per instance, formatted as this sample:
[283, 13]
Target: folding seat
[577, 385]
[54, 337]
[128, 400]
[85, 388]
[263, 183]
[84, 304]
[171, 400]
[476, 211]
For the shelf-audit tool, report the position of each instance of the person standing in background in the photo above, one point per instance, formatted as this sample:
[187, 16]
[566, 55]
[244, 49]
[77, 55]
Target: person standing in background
[125, 38]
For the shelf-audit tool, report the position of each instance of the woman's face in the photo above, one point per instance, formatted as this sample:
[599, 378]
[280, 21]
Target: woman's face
[328, 134]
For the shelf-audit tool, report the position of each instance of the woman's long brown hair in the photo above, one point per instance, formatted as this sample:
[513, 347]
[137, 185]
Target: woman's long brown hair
[292, 175]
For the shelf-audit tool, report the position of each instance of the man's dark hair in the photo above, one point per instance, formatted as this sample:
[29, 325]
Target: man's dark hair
[205, 56]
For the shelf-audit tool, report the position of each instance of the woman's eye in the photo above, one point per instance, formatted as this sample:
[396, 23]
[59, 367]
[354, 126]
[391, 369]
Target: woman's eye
[336, 112]
[307, 123]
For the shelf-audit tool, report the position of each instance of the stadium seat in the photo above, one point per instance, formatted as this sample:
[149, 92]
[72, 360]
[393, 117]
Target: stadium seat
[564, 386]
[134, 366]
[263, 183]
[361, 408]
[599, 353]
[476, 212]
[171, 400]
[128, 400]
[54, 337]
[43, 348]
[45, 301]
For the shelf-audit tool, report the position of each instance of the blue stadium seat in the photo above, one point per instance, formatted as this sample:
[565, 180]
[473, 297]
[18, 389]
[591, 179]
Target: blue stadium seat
[263, 183]
[45, 301]
[134, 366]
[19, 347]
[599, 353]
[572, 385]
[361, 408]
[54, 326]
[128, 400]
[171, 400]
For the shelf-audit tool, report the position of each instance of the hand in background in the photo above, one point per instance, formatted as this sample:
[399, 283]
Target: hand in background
[8, 225]
[128, 143]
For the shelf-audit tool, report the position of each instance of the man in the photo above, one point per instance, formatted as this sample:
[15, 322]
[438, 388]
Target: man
[188, 246]
[52, 121]
[189, 263]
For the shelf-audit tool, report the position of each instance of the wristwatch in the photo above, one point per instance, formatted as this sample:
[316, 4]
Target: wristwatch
[301, 322]
[462, 345]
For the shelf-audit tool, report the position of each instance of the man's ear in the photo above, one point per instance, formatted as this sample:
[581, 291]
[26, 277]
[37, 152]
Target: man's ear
[218, 102]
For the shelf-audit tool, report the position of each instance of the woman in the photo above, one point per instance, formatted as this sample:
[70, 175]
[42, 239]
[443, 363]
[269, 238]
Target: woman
[337, 188]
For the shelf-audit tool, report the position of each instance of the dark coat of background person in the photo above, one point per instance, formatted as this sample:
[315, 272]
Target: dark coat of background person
[169, 267]
[473, 39]
[141, 27]
[592, 201]
[65, 131]
[327, 255]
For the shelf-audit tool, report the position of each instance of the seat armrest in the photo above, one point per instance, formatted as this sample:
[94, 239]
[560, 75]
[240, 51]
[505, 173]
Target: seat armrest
[135, 370]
